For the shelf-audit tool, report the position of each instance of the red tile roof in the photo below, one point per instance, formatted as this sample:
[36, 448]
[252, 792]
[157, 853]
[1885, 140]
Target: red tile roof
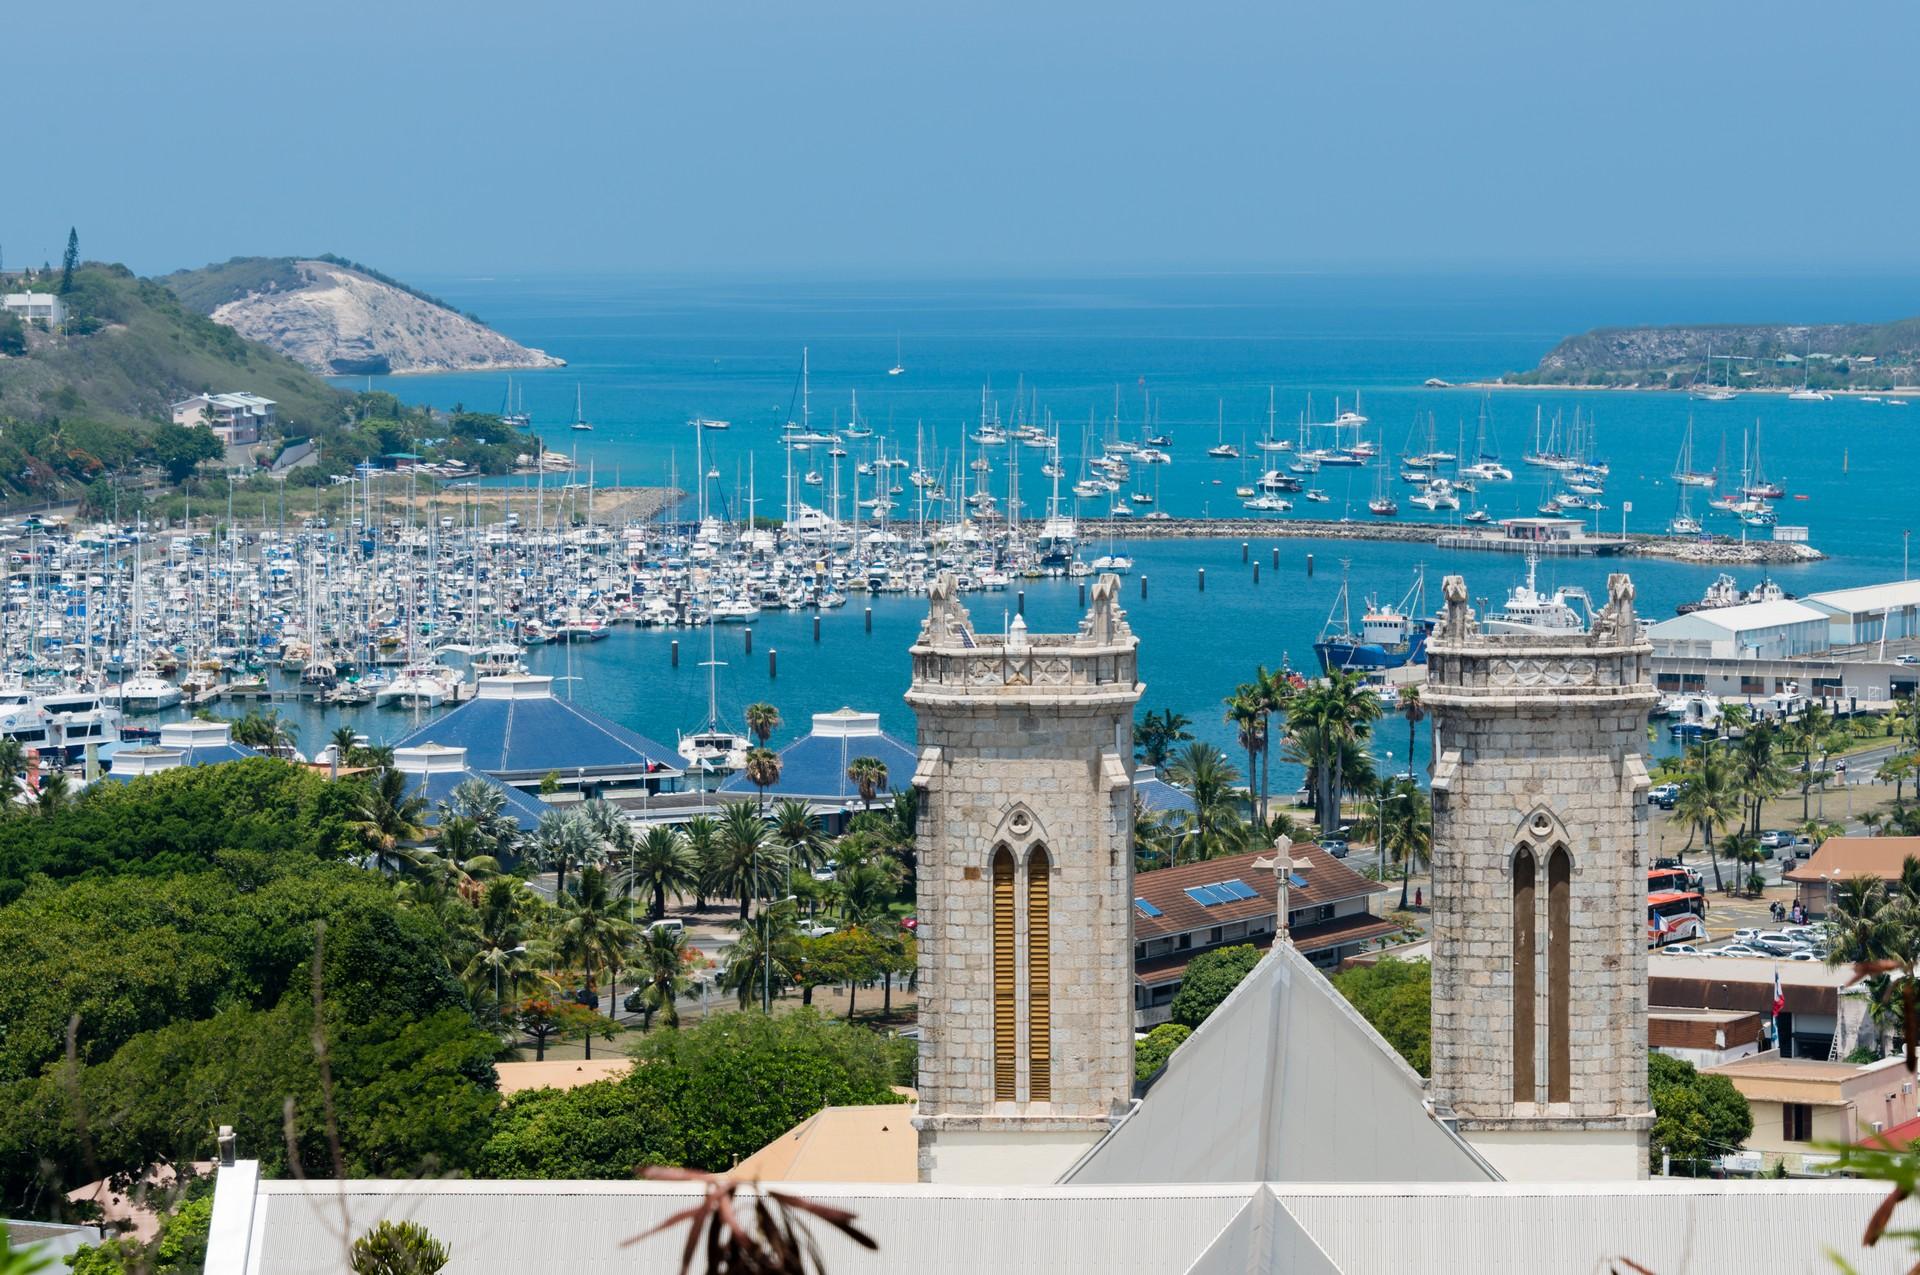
[1898, 1138]
[1328, 881]
[1359, 928]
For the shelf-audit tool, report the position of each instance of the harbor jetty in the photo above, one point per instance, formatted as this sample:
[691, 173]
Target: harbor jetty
[1548, 537]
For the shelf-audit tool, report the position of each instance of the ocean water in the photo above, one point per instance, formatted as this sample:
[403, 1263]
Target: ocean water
[645, 356]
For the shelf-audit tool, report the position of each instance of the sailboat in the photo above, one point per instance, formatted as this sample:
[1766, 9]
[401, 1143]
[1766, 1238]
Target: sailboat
[713, 749]
[579, 418]
[1270, 443]
[898, 366]
[1683, 523]
[1382, 504]
[1223, 450]
[1758, 488]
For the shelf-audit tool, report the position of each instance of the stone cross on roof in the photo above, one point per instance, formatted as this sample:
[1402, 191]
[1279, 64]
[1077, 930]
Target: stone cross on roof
[1284, 865]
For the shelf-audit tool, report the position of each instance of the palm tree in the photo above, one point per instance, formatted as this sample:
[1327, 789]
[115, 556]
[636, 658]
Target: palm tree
[661, 959]
[344, 740]
[1248, 719]
[1155, 735]
[56, 794]
[1899, 769]
[1707, 798]
[1273, 691]
[1806, 733]
[612, 833]
[747, 860]
[562, 838]
[1326, 719]
[1744, 847]
[763, 771]
[484, 805]
[763, 719]
[388, 815]
[797, 830]
[702, 835]
[764, 954]
[13, 768]
[593, 931]
[662, 865]
[1877, 931]
[1414, 712]
[1209, 779]
[869, 775]
[1409, 820]
[1759, 773]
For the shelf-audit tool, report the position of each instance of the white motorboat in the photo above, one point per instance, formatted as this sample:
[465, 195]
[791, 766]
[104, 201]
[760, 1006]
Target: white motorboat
[147, 692]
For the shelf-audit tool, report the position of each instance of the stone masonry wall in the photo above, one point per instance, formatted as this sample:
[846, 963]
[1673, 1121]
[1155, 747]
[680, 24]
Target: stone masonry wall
[1047, 754]
[1539, 741]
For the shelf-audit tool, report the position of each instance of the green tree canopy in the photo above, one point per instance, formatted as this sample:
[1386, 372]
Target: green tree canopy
[1151, 1054]
[1397, 998]
[1210, 977]
[704, 1097]
[1696, 1118]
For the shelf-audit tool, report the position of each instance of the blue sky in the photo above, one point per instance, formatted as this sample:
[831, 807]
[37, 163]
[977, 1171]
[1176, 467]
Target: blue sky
[863, 136]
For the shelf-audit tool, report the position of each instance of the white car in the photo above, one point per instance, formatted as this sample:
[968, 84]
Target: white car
[1682, 949]
[1739, 949]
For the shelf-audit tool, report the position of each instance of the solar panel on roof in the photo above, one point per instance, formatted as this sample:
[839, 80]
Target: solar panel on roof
[1203, 895]
[1239, 889]
[1297, 881]
[1146, 908]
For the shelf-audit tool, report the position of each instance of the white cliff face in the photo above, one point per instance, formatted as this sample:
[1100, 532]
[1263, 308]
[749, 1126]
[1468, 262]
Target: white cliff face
[342, 322]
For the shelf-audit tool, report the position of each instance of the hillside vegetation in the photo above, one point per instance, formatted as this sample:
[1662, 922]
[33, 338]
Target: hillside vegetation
[86, 412]
[1749, 356]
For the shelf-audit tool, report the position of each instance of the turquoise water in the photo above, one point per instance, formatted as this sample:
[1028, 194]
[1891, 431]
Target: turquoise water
[647, 356]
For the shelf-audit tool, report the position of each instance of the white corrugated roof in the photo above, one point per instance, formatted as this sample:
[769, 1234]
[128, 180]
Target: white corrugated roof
[1664, 1224]
[1870, 597]
[1743, 619]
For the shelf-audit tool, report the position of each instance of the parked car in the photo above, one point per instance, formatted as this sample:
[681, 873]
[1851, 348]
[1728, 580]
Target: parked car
[1775, 839]
[1802, 848]
[1682, 949]
[1335, 846]
[1906, 659]
[1804, 956]
[1740, 949]
[1746, 934]
[1663, 796]
[1778, 945]
[670, 925]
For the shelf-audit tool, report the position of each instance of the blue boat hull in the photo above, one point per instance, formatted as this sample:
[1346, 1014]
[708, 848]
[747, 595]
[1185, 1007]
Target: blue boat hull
[1341, 656]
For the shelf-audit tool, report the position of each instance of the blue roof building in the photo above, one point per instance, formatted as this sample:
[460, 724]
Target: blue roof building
[814, 767]
[188, 743]
[1159, 797]
[433, 771]
[515, 730]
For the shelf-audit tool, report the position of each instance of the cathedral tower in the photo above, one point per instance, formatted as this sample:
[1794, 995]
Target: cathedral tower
[1025, 888]
[1539, 891]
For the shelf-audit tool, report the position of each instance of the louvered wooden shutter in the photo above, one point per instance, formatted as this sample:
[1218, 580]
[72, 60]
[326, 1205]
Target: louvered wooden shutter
[1004, 1027]
[1039, 980]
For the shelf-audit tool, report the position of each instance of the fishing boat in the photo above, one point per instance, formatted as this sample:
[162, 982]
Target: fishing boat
[1388, 636]
[1725, 592]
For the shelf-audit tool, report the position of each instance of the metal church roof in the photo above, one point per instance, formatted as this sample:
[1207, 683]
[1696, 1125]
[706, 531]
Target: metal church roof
[814, 767]
[515, 729]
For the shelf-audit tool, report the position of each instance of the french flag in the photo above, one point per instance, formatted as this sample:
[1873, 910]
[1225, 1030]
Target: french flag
[1779, 993]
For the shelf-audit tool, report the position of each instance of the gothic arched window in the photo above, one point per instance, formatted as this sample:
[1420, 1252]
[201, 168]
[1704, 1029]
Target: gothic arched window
[1005, 1024]
[1523, 975]
[1039, 978]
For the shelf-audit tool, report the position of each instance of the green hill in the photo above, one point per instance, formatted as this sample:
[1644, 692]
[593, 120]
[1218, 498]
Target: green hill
[92, 403]
[133, 349]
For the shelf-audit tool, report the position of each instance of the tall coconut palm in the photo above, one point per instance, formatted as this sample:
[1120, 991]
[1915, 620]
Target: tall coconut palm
[562, 838]
[1877, 931]
[763, 771]
[1209, 779]
[702, 834]
[1805, 735]
[661, 963]
[869, 776]
[1708, 798]
[765, 954]
[386, 816]
[1272, 691]
[797, 830]
[1413, 712]
[593, 933]
[1248, 719]
[1409, 820]
[1328, 718]
[1759, 773]
[747, 860]
[1155, 735]
[763, 719]
[663, 865]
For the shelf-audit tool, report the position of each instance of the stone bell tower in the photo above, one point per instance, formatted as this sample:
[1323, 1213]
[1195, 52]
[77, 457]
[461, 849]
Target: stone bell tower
[1025, 888]
[1539, 891]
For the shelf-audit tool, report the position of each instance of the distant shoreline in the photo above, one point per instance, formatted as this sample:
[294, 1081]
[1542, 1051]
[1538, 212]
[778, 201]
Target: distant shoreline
[1773, 391]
